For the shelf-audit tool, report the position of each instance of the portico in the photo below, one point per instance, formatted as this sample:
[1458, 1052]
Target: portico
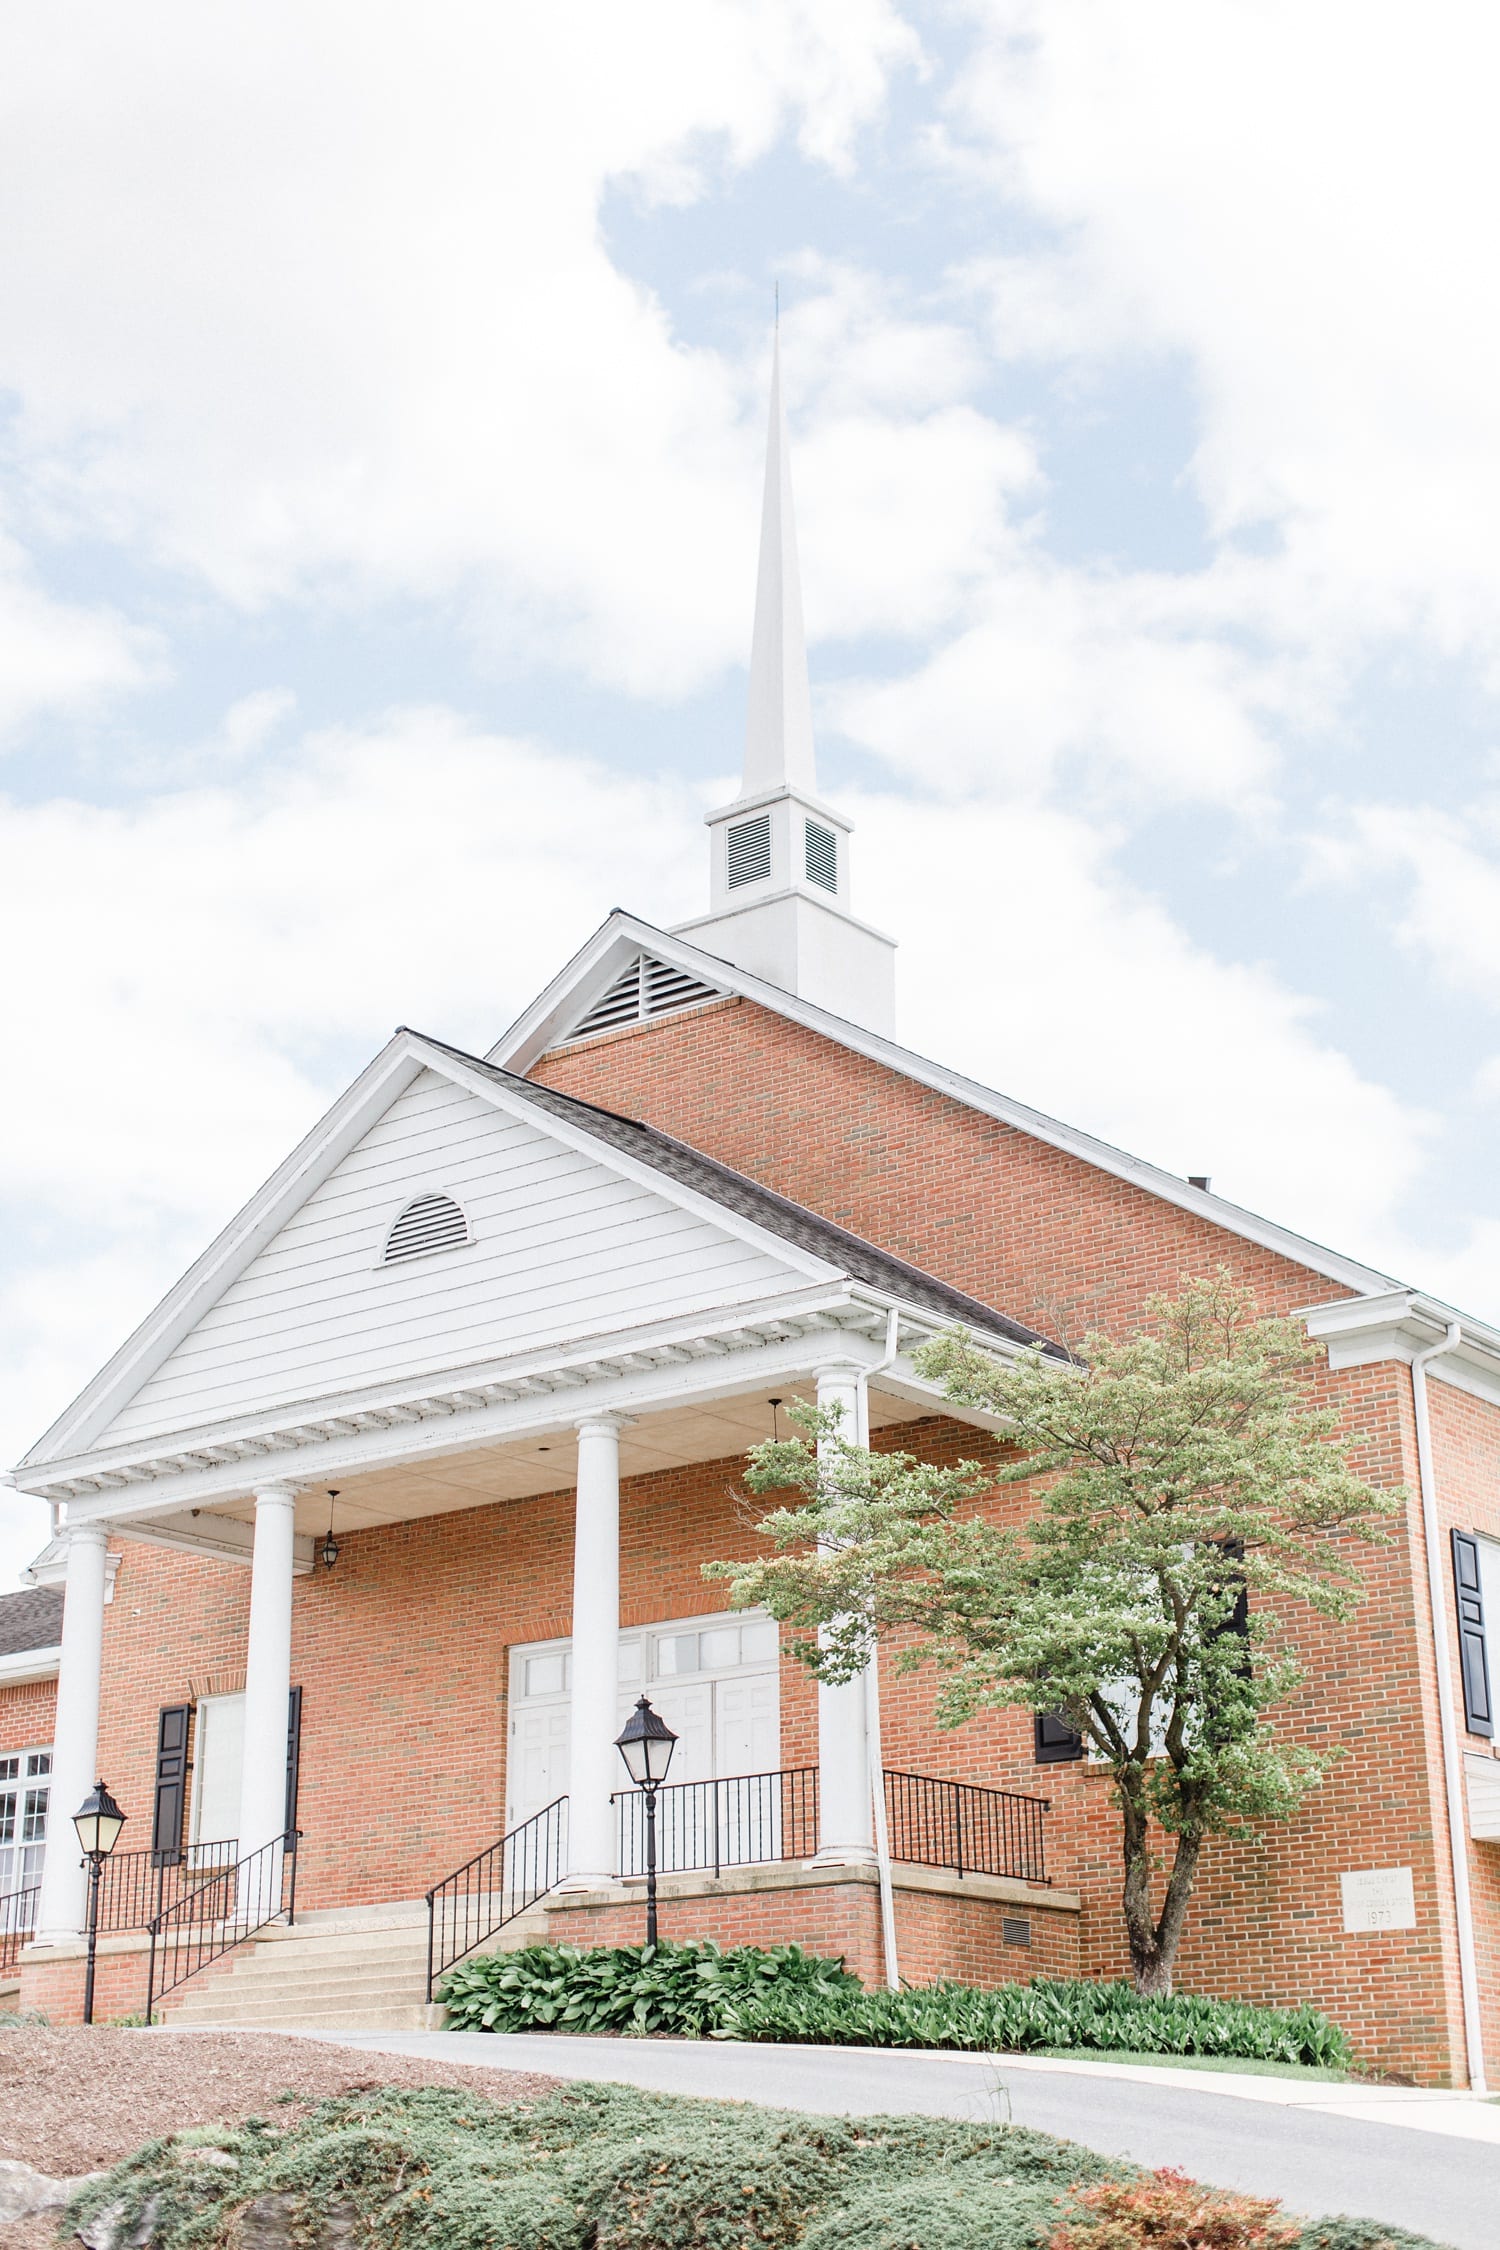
[583, 1415]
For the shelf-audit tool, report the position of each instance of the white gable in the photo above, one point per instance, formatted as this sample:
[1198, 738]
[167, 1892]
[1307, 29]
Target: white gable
[563, 1245]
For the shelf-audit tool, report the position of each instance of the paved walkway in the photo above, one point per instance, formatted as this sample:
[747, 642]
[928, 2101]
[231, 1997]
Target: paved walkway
[1426, 2161]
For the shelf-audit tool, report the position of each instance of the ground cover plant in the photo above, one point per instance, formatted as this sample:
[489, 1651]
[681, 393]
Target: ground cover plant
[608, 2168]
[782, 1993]
[1190, 1496]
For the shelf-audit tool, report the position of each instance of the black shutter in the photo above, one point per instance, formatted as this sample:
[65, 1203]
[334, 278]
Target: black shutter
[1479, 1716]
[293, 1755]
[1056, 1741]
[168, 1813]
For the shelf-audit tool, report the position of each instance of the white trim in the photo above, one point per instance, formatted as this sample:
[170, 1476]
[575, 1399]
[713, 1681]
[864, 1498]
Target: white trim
[388, 1076]
[1401, 1324]
[541, 1028]
[137, 1509]
[25, 1664]
[246, 1235]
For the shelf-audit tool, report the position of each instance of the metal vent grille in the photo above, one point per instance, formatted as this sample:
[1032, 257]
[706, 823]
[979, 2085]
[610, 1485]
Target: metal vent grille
[749, 849]
[646, 988]
[822, 856]
[430, 1222]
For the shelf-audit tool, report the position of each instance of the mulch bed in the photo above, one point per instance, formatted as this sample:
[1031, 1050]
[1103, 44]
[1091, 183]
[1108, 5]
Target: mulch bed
[75, 2101]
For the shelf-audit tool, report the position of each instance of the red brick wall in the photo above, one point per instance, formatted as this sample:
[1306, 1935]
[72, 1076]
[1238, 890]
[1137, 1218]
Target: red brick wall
[1037, 1233]
[937, 1935]
[26, 1714]
[402, 1651]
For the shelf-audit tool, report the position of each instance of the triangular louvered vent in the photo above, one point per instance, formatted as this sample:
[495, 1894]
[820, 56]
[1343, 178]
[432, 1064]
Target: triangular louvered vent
[431, 1222]
[646, 988]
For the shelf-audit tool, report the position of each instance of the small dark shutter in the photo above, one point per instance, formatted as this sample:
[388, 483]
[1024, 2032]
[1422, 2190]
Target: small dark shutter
[1056, 1741]
[1479, 1714]
[168, 1813]
[293, 1755]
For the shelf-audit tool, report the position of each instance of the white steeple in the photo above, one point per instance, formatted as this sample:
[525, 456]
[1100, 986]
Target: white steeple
[779, 870]
[779, 736]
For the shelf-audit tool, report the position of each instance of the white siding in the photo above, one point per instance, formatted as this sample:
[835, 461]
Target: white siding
[563, 1247]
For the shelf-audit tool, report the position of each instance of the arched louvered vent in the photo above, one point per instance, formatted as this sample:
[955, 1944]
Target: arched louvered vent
[430, 1222]
[646, 988]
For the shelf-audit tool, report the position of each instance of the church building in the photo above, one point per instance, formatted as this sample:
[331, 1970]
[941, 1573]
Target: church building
[375, 1530]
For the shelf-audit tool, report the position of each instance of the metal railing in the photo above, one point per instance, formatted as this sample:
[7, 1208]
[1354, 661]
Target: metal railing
[17, 1921]
[743, 1820]
[135, 1888]
[973, 1830]
[495, 1886]
[205, 1923]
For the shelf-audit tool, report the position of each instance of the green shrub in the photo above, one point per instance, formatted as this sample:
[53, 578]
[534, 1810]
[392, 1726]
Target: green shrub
[684, 1989]
[782, 1993]
[951, 2212]
[608, 2168]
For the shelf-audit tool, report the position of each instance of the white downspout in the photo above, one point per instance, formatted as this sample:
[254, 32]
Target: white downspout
[1458, 1840]
[872, 1707]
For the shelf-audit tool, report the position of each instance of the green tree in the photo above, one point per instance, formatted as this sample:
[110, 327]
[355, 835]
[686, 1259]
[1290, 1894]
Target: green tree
[1193, 1507]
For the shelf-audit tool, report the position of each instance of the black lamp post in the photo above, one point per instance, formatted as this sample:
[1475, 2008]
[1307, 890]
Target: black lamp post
[646, 1743]
[98, 1821]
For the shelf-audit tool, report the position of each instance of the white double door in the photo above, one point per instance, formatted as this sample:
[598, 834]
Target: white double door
[714, 1681]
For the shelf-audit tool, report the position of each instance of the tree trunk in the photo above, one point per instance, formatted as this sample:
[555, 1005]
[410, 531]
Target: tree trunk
[1154, 1939]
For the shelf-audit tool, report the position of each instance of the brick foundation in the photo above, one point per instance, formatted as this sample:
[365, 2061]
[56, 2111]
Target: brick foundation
[945, 1926]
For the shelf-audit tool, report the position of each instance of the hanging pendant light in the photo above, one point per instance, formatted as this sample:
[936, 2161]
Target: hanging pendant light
[330, 1547]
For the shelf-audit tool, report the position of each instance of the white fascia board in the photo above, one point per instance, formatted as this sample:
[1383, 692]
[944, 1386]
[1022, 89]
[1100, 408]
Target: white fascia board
[246, 1235]
[224, 1536]
[543, 1026]
[27, 1664]
[805, 1263]
[566, 1361]
[640, 1392]
[1396, 1324]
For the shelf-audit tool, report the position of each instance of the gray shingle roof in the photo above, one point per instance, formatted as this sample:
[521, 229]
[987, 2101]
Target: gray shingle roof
[861, 1260]
[30, 1619]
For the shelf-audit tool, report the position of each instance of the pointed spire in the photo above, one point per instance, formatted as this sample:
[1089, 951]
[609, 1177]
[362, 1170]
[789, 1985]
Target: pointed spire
[779, 738]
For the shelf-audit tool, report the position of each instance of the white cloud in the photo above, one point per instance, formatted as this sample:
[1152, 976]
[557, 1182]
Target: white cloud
[1297, 202]
[1026, 960]
[1439, 875]
[58, 656]
[337, 316]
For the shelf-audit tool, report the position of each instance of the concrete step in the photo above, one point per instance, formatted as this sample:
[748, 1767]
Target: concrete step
[412, 2017]
[253, 1992]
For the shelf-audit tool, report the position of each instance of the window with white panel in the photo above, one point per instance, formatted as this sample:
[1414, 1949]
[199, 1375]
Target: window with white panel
[25, 1793]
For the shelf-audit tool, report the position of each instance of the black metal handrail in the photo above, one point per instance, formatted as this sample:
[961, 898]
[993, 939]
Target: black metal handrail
[17, 1921]
[743, 1820]
[495, 1886]
[207, 1922]
[136, 1887]
[958, 1824]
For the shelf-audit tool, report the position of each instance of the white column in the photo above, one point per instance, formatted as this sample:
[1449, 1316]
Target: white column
[268, 1671]
[845, 1822]
[62, 1907]
[594, 1768]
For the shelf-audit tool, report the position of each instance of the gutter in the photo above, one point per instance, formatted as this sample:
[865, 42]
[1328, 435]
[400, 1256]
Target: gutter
[872, 1705]
[1458, 1839]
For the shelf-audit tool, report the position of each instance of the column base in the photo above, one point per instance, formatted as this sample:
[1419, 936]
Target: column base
[844, 1855]
[586, 1882]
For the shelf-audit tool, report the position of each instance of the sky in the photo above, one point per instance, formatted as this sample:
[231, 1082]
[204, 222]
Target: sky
[382, 404]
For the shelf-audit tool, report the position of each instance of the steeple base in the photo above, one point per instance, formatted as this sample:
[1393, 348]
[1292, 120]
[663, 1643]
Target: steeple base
[818, 952]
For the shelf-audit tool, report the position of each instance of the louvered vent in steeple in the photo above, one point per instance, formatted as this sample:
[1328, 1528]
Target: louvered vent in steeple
[646, 988]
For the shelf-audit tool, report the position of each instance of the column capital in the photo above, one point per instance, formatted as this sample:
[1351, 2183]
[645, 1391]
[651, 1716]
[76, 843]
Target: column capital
[87, 1534]
[839, 1363]
[276, 1495]
[608, 1424]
